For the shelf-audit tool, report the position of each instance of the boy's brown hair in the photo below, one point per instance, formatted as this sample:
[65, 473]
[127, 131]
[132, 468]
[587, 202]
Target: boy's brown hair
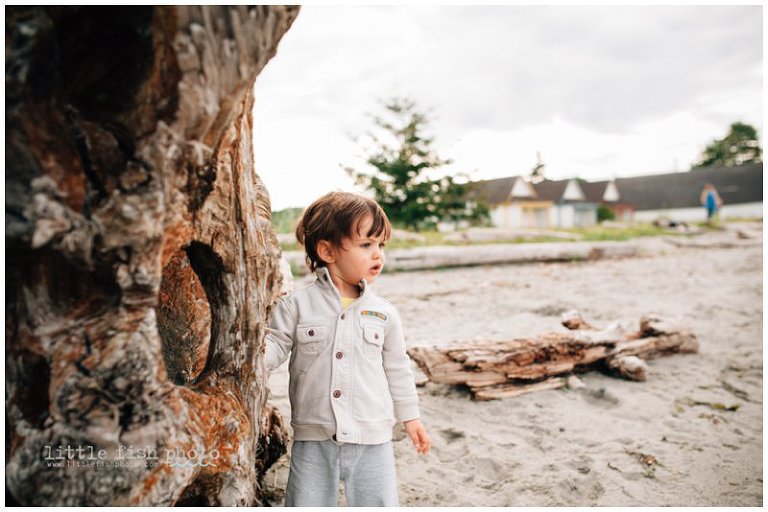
[333, 217]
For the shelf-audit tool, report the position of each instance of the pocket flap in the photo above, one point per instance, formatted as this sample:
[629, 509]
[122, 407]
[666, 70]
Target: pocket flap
[375, 336]
[310, 333]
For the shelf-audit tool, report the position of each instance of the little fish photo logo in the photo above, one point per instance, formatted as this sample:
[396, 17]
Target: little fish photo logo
[194, 458]
[125, 456]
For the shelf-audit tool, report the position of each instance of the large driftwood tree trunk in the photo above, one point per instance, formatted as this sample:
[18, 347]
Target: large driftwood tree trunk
[141, 266]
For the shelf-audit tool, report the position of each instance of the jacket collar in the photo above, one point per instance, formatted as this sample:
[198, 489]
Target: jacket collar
[325, 281]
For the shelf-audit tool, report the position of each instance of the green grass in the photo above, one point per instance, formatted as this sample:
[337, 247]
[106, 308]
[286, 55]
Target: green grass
[590, 234]
[600, 233]
[745, 219]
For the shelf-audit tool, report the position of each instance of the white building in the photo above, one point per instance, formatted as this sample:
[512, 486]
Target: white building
[570, 206]
[517, 203]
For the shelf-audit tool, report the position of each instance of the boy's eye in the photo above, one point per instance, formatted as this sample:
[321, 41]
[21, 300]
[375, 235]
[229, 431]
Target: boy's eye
[366, 245]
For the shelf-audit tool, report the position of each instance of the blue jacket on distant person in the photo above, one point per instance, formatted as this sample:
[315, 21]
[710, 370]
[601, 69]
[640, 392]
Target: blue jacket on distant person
[711, 200]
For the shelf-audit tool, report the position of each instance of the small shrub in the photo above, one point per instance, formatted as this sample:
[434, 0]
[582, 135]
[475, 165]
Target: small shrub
[605, 213]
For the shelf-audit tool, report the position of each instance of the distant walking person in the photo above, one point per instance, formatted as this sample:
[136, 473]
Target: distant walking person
[710, 200]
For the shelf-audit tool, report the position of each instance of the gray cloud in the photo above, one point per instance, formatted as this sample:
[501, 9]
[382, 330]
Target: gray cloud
[606, 69]
[602, 67]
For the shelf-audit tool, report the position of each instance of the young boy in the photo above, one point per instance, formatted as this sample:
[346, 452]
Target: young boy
[350, 377]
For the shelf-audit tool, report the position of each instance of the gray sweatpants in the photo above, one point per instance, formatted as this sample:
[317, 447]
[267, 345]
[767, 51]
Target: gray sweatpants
[317, 467]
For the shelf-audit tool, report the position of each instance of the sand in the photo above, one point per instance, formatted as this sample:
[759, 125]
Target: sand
[583, 447]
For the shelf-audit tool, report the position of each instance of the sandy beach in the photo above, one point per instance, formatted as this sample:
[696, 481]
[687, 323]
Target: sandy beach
[584, 447]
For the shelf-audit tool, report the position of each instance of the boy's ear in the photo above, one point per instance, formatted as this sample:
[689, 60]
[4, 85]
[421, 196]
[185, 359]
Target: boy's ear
[325, 251]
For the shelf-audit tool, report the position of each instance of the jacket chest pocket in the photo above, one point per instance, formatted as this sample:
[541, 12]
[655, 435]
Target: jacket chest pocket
[373, 341]
[311, 338]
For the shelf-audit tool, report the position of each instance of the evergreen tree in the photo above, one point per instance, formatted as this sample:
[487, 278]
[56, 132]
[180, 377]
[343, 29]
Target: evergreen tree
[740, 146]
[401, 160]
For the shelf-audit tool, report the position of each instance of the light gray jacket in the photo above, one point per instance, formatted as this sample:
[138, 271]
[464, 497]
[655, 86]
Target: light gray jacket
[349, 373]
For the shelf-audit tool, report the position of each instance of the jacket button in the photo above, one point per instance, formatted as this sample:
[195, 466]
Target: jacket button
[311, 332]
[339, 355]
[342, 316]
[376, 336]
[336, 394]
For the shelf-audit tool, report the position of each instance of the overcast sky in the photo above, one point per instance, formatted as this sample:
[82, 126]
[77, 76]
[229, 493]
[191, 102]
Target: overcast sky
[599, 92]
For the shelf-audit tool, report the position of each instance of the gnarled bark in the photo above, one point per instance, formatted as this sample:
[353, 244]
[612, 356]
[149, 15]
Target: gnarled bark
[141, 263]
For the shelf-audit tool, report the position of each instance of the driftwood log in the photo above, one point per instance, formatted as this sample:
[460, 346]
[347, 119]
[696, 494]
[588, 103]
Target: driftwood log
[420, 258]
[141, 265]
[500, 369]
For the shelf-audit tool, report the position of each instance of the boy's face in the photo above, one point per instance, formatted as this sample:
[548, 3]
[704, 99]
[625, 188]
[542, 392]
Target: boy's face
[359, 257]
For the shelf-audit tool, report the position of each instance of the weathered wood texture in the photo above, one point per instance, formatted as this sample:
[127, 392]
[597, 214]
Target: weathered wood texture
[141, 265]
[500, 369]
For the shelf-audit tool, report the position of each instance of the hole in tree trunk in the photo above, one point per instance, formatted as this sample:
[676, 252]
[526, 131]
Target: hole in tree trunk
[184, 320]
[209, 268]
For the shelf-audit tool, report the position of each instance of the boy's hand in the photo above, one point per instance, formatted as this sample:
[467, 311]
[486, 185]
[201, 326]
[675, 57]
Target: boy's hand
[418, 434]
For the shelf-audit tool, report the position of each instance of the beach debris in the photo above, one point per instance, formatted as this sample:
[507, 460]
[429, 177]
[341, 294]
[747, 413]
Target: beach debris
[573, 321]
[676, 226]
[649, 462]
[630, 367]
[714, 405]
[508, 368]
[574, 383]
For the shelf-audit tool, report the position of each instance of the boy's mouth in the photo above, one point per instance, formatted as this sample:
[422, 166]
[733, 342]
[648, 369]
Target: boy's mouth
[376, 268]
